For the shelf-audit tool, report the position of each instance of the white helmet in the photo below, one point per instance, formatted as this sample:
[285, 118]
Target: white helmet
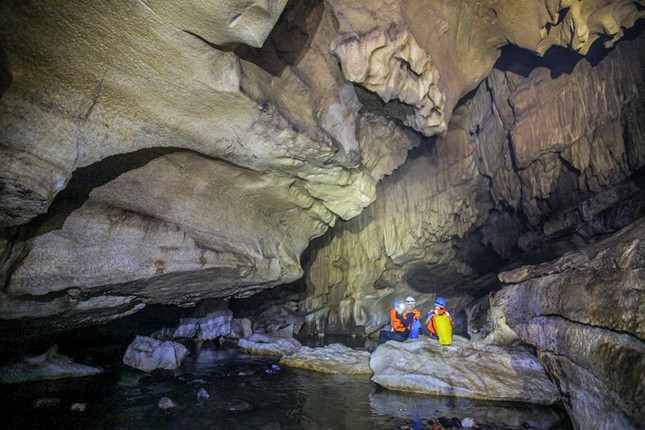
[410, 299]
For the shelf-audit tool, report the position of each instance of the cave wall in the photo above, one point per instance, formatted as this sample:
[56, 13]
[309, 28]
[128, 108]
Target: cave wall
[235, 161]
[213, 140]
[527, 167]
[585, 315]
[168, 152]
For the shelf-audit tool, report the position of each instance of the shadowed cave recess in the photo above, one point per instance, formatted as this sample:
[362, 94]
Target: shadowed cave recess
[300, 165]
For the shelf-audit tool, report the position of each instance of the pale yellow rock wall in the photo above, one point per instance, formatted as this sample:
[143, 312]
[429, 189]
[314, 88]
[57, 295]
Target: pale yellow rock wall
[537, 145]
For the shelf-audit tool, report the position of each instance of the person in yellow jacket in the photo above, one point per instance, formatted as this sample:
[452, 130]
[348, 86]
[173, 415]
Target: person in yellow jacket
[440, 322]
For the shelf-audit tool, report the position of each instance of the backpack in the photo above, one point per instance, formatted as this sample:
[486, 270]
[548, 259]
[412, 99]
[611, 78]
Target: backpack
[443, 327]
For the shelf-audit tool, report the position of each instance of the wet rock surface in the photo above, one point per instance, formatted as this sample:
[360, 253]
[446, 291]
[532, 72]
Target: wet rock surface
[283, 398]
[335, 358]
[463, 369]
[269, 344]
[50, 365]
[148, 354]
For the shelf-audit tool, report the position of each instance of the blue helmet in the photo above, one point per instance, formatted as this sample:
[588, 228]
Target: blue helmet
[396, 303]
[440, 302]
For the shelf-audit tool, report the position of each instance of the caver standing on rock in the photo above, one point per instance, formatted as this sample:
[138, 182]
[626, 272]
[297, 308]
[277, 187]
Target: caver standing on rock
[440, 322]
[402, 316]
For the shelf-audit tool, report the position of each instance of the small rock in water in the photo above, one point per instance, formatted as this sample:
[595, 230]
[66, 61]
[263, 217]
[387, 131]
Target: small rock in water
[47, 402]
[246, 373]
[273, 368]
[237, 406]
[166, 403]
[467, 422]
[202, 395]
[78, 407]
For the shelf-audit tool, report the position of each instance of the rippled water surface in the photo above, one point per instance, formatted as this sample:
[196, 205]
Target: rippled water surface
[125, 398]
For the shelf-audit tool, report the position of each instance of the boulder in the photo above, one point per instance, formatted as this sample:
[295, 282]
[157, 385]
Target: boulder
[166, 403]
[240, 327]
[266, 344]
[210, 320]
[463, 369]
[279, 318]
[50, 365]
[335, 358]
[148, 354]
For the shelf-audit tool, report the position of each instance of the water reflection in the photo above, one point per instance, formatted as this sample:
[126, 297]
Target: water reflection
[420, 408]
[289, 399]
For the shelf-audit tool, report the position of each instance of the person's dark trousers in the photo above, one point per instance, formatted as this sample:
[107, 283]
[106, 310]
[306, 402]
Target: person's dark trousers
[384, 336]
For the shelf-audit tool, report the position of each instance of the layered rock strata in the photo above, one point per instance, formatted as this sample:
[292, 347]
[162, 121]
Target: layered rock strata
[585, 315]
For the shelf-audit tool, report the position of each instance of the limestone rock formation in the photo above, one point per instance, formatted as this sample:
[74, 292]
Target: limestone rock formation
[148, 354]
[333, 359]
[222, 22]
[496, 189]
[378, 51]
[50, 365]
[240, 327]
[269, 344]
[430, 54]
[585, 313]
[208, 321]
[280, 146]
[463, 369]
[171, 152]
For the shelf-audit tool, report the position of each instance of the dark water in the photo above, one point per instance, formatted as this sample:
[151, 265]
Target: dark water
[289, 399]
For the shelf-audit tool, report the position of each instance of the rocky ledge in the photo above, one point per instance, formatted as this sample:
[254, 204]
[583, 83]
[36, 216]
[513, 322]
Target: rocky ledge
[463, 369]
[335, 359]
[585, 313]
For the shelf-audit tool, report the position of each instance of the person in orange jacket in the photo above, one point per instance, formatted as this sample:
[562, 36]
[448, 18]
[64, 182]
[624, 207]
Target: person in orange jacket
[410, 314]
[396, 317]
[402, 316]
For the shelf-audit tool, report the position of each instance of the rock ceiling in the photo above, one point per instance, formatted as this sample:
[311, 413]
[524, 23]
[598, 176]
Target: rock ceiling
[165, 151]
